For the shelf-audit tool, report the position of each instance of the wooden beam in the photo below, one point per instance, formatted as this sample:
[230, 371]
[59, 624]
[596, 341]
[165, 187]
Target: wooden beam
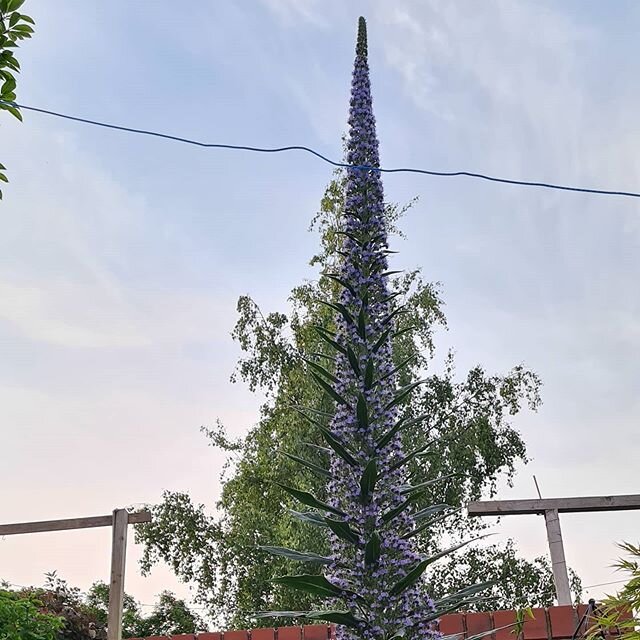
[70, 523]
[116, 585]
[562, 505]
[558, 562]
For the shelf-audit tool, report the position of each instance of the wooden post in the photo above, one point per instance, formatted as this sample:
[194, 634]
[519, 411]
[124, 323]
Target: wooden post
[116, 586]
[558, 562]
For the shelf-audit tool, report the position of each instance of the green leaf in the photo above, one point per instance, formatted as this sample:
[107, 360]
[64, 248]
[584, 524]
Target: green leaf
[372, 550]
[309, 465]
[345, 618]
[23, 29]
[403, 393]
[343, 530]
[317, 585]
[27, 19]
[390, 273]
[411, 456]
[321, 370]
[297, 556]
[330, 390]
[362, 412]
[428, 483]
[462, 595]
[300, 409]
[430, 523]
[338, 447]
[396, 511]
[341, 309]
[393, 314]
[2, 167]
[381, 340]
[353, 360]
[401, 366]
[309, 517]
[13, 111]
[429, 511]
[368, 374]
[362, 323]
[3, 178]
[13, 19]
[368, 480]
[14, 5]
[310, 500]
[329, 339]
[411, 578]
[317, 447]
[342, 282]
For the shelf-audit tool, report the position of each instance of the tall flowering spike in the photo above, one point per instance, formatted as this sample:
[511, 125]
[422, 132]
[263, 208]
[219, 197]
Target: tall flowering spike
[373, 575]
[370, 489]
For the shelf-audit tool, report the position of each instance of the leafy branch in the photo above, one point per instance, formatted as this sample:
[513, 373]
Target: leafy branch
[14, 27]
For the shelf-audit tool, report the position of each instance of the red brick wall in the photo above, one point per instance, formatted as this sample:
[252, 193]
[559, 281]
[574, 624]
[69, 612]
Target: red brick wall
[554, 623]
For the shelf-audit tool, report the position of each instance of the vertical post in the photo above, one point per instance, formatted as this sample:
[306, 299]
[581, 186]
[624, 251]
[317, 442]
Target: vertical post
[558, 562]
[116, 586]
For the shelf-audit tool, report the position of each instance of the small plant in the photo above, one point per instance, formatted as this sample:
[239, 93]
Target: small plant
[623, 609]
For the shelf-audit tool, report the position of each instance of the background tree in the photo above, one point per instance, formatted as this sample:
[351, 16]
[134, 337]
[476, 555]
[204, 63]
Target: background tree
[471, 430]
[14, 27]
[65, 613]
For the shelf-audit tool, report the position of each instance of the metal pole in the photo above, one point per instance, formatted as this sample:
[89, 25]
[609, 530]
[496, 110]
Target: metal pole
[116, 586]
[558, 562]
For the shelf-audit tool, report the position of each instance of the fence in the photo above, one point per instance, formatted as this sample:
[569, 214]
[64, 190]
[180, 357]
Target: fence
[554, 623]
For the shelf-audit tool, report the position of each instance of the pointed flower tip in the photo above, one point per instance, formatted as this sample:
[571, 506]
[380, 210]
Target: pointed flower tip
[361, 47]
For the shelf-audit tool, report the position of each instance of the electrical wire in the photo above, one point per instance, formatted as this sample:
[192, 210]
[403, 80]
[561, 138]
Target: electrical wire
[237, 147]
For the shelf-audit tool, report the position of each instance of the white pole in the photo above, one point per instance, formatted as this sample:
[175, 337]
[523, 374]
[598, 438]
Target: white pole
[558, 562]
[116, 586]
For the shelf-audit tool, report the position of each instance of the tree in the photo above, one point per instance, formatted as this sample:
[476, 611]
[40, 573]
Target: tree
[14, 27]
[468, 439]
[170, 615]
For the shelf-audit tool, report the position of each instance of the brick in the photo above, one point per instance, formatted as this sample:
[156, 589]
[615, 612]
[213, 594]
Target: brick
[184, 636]
[479, 622]
[263, 634]
[451, 624]
[157, 637]
[503, 619]
[563, 621]
[234, 635]
[536, 628]
[288, 633]
[210, 636]
[315, 632]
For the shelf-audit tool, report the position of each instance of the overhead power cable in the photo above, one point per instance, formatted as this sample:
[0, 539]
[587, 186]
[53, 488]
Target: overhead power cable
[317, 154]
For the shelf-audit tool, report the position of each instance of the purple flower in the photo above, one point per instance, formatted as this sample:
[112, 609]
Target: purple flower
[363, 268]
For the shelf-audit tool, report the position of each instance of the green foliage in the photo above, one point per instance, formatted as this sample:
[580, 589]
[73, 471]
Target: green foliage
[515, 581]
[22, 619]
[14, 27]
[61, 612]
[467, 438]
[623, 609]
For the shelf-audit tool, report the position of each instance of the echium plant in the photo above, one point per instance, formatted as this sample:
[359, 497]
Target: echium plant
[373, 577]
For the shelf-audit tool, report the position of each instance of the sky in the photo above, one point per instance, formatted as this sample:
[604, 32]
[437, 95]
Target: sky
[122, 257]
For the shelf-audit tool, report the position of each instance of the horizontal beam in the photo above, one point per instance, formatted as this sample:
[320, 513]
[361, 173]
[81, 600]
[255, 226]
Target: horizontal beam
[70, 523]
[563, 505]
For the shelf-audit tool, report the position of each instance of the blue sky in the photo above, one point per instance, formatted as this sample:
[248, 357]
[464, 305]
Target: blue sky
[121, 258]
